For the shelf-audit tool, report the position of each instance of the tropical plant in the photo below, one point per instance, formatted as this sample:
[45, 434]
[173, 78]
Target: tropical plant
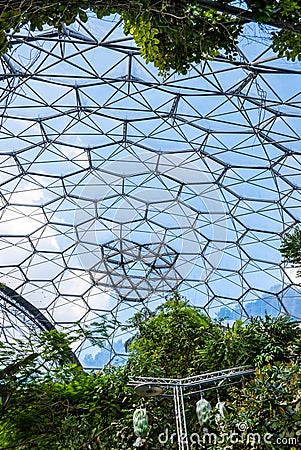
[265, 413]
[178, 340]
[168, 341]
[48, 402]
[57, 405]
[291, 248]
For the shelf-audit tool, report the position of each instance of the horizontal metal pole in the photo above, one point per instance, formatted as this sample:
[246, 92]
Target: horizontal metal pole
[198, 380]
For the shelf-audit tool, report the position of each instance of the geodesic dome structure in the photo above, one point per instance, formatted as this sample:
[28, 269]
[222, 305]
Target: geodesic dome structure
[119, 187]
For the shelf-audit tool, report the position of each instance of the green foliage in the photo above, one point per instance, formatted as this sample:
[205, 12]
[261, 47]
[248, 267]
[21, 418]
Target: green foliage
[255, 342]
[174, 38]
[265, 10]
[59, 414]
[287, 43]
[22, 362]
[291, 247]
[168, 342]
[49, 403]
[178, 341]
[276, 339]
[172, 34]
[269, 406]
[98, 332]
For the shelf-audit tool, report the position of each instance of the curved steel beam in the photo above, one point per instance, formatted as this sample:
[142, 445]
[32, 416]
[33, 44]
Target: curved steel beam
[31, 312]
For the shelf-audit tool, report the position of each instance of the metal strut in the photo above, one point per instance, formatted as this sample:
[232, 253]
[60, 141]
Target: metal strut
[185, 387]
[181, 425]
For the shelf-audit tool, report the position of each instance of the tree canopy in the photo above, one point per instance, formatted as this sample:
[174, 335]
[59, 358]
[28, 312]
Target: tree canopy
[291, 248]
[67, 408]
[170, 33]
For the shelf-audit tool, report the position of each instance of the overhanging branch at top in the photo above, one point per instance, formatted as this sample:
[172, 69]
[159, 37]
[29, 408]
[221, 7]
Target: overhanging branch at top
[170, 34]
[248, 15]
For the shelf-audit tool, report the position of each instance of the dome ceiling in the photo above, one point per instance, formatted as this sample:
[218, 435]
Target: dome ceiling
[118, 186]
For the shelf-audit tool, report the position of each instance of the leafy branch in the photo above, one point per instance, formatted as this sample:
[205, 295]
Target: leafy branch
[291, 248]
[171, 34]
